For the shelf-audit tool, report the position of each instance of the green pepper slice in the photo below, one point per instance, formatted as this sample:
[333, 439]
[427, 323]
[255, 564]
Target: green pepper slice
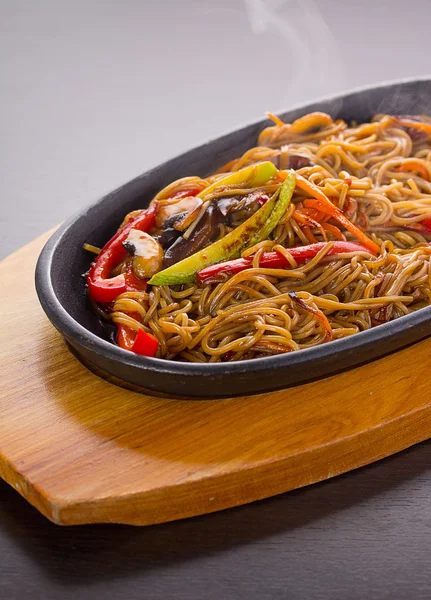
[253, 230]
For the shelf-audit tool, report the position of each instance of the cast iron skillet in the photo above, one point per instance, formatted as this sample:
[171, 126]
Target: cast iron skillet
[61, 287]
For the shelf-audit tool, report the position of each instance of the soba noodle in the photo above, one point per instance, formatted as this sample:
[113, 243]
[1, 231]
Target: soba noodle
[378, 174]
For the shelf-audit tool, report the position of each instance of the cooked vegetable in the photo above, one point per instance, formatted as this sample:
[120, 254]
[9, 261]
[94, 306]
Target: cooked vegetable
[102, 288]
[204, 234]
[420, 123]
[280, 207]
[255, 260]
[277, 260]
[297, 161]
[145, 344]
[415, 166]
[139, 342]
[229, 211]
[147, 253]
[326, 206]
[184, 206]
[254, 229]
[253, 176]
[318, 314]
[202, 228]
[134, 283]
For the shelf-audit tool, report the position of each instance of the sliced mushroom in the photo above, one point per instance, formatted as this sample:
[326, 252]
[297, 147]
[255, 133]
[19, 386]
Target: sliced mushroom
[205, 232]
[147, 253]
[298, 161]
[229, 210]
[171, 209]
[186, 219]
[236, 209]
[167, 237]
[227, 204]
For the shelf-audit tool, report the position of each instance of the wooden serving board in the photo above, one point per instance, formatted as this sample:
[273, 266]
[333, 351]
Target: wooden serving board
[83, 450]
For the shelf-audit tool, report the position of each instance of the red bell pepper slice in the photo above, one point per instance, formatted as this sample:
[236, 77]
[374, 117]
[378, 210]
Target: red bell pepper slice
[145, 344]
[142, 343]
[184, 193]
[426, 224]
[102, 288]
[133, 283]
[276, 260]
[423, 226]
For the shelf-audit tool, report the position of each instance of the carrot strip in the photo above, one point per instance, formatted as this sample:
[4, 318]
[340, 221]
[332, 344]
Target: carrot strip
[315, 214]
[413, 165]
[309, 234]
[420, 125]
[320, 315]
[335, 231]
[309, 222]
[326, 206]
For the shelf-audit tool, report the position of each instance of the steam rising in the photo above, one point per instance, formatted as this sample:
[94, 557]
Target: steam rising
[312, 65]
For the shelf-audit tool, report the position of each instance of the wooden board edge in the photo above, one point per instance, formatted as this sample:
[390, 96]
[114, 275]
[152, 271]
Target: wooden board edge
[30, 492]
[226, 490]
[271, 478]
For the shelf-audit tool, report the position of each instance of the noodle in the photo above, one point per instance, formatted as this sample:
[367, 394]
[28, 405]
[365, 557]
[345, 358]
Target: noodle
[378, 174]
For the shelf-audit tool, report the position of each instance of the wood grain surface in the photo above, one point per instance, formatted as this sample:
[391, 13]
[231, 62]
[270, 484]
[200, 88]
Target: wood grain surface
[88, 102]
[84, 451]
[364, 535]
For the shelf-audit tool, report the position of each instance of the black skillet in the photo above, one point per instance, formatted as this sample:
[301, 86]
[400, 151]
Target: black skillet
[61, 287]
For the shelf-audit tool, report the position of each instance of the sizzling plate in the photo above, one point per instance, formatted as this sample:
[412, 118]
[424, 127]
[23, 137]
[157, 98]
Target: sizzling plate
[61, 287]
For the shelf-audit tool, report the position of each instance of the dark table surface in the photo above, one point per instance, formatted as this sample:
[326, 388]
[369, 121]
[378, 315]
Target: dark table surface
[95, 92]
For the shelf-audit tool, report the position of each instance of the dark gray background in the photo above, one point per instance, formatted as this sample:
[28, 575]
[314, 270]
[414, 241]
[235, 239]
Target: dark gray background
[95, 92]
